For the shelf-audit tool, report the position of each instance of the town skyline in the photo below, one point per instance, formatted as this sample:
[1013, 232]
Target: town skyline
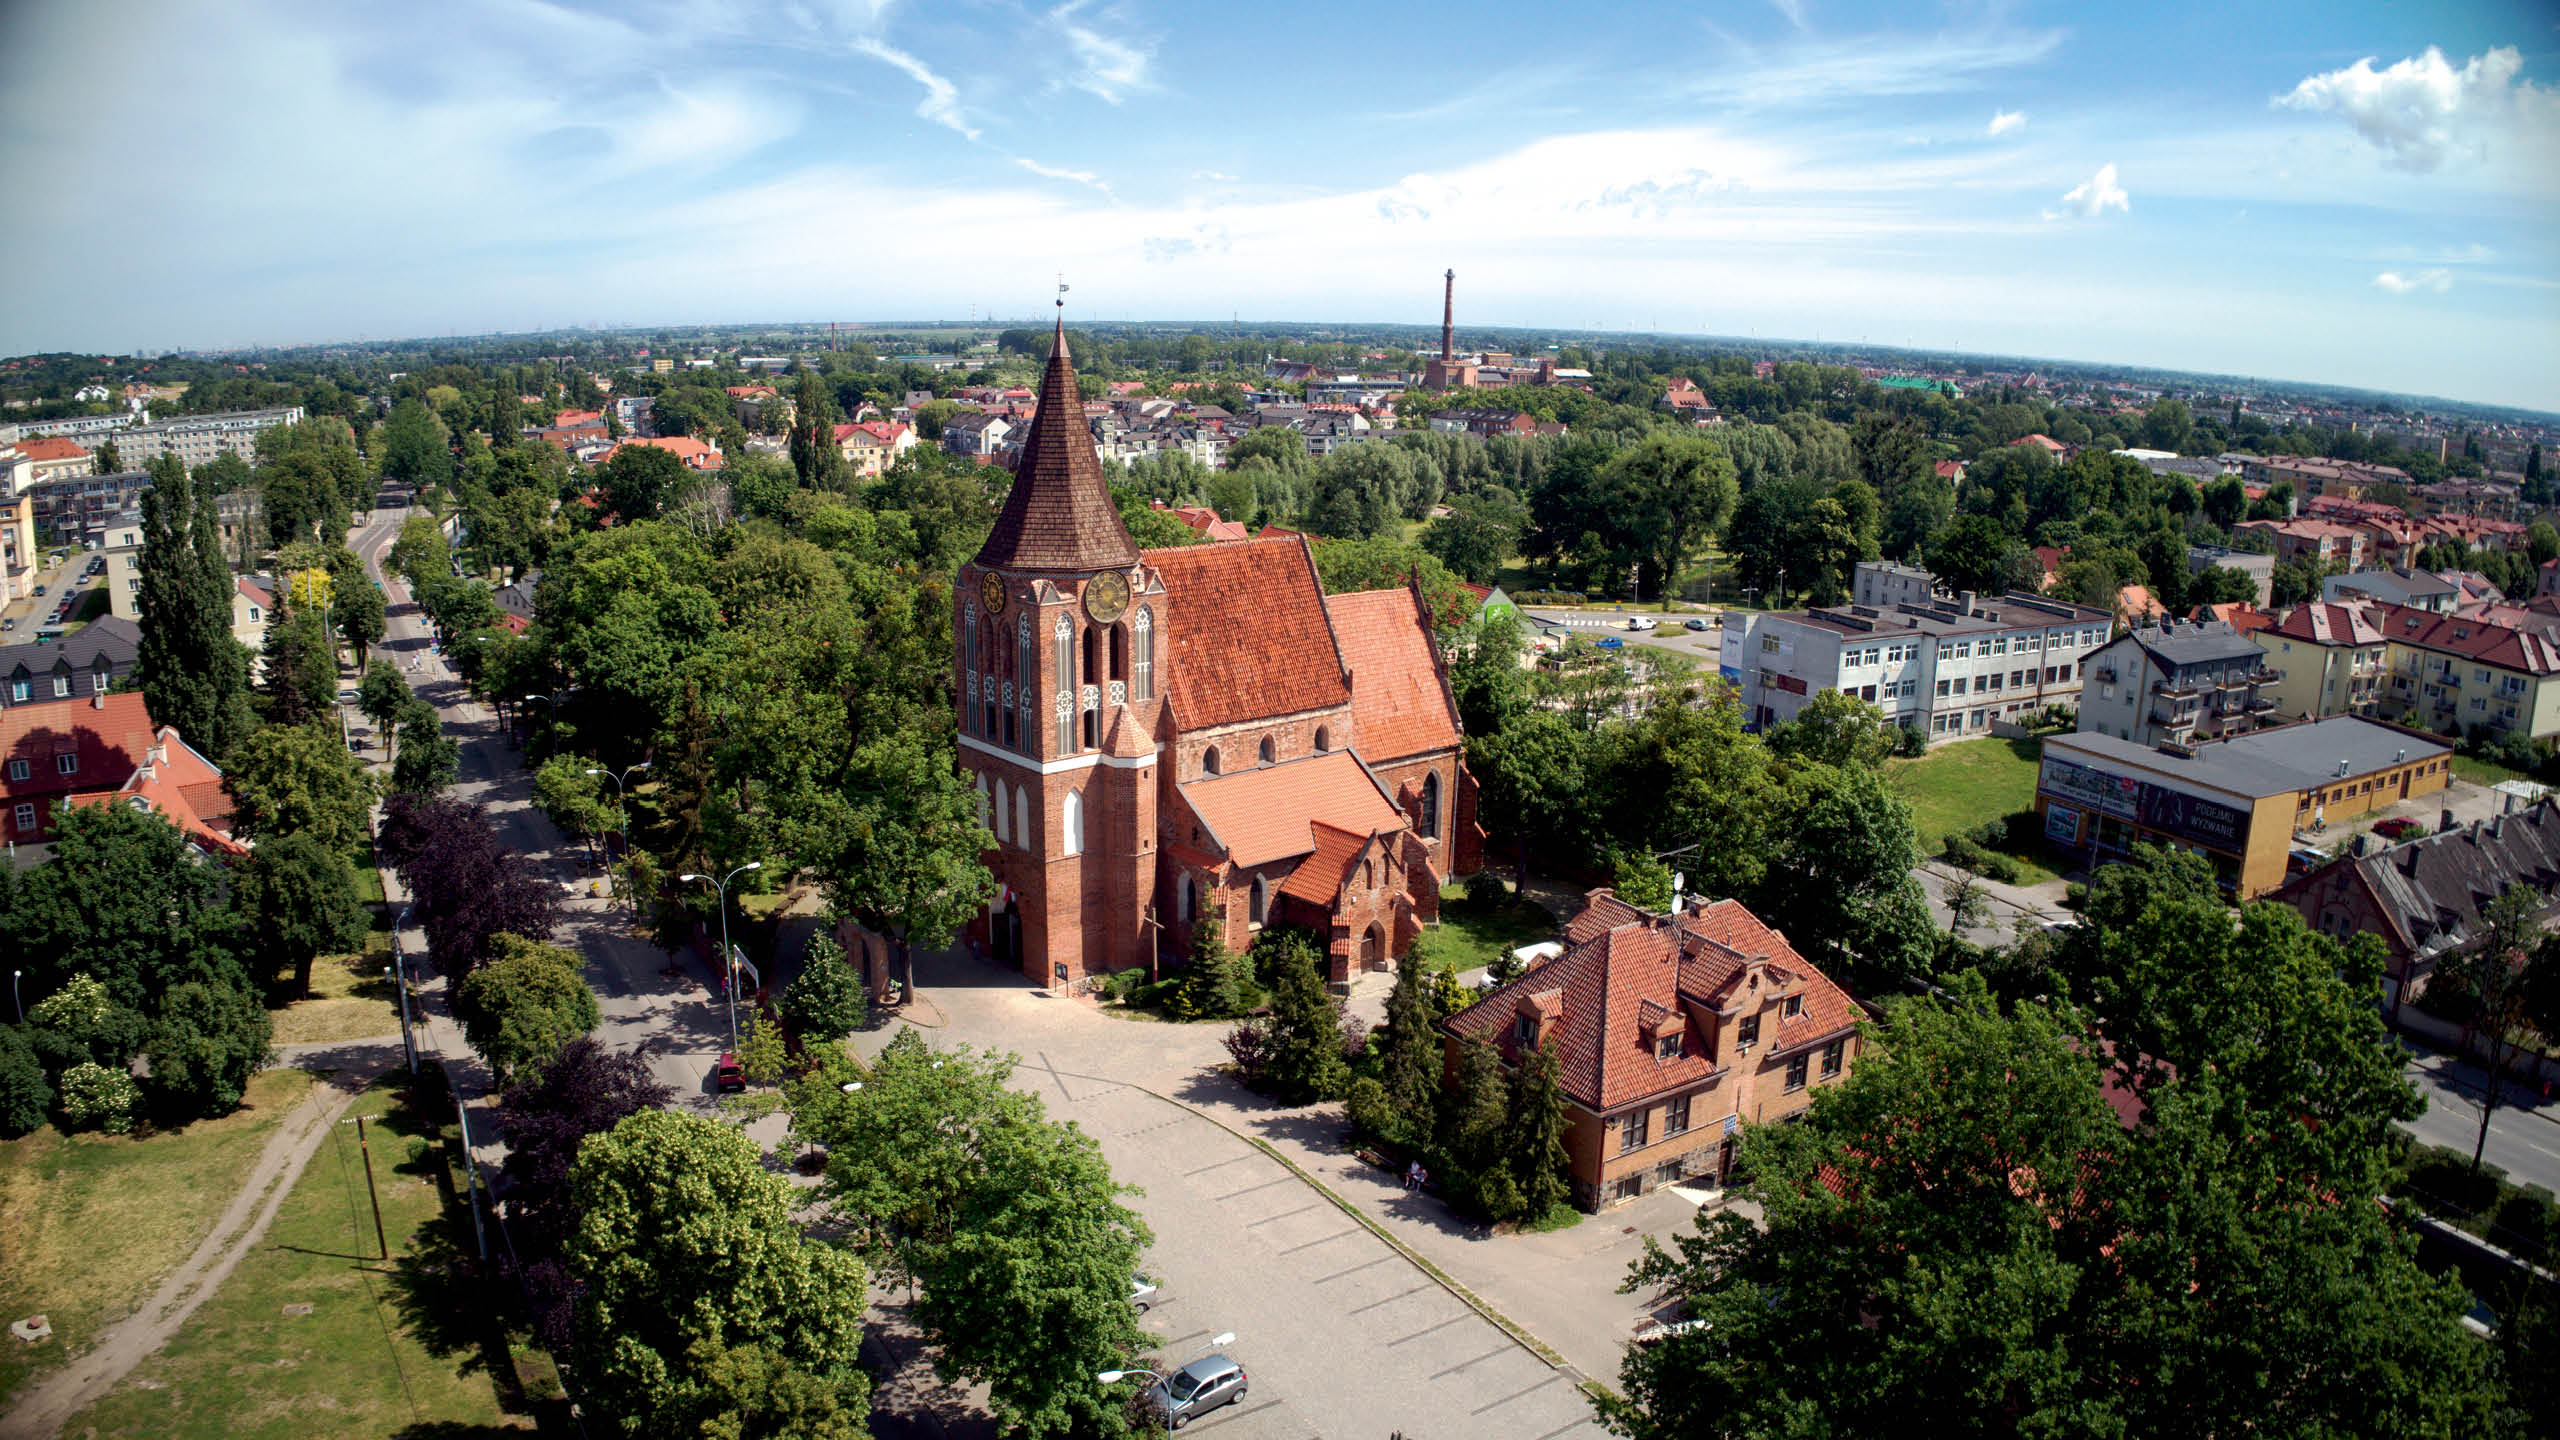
[2367, 205]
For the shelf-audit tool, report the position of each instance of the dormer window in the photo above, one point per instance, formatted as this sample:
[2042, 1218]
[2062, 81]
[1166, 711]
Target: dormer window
[1667, 1047]
[1524, 1031]
[1793, 1007]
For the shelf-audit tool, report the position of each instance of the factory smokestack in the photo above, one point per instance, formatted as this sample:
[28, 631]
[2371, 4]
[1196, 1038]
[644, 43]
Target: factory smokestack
[1449, 317]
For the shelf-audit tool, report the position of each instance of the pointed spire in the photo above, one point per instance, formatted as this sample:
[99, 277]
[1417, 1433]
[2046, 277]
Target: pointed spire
[1059, 515]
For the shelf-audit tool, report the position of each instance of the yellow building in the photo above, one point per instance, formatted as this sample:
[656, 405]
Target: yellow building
[2459, 670]
[2328, 659]
[2238, 802]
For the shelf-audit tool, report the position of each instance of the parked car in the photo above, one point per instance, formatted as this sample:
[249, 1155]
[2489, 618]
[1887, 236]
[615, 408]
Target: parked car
[729, 1074]
[1196, 1389]
[39, 589]
[1143, 1292]
[9, 624]
[1693, 623]
[1638, 622]
[2398, 827]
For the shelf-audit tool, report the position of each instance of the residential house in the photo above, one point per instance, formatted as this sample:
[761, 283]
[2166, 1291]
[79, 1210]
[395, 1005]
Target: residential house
[53, 755]
[977, 434]
[253, 608]
[1883, 584]
[2323, 544]
[1671, 1034]
[697, 455]
[57, 457]
[123, 553]
[89, 661]
[2176, 683]
[2452, 671]
[1685, 398]
[871, 447]
[2329, 660]
[1486, 423]
[2424, 898]
[2398, 585]
[2045, 443]
[2260, 570]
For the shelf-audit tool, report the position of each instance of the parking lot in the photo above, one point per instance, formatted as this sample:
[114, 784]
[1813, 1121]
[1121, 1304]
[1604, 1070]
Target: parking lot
[65, 582]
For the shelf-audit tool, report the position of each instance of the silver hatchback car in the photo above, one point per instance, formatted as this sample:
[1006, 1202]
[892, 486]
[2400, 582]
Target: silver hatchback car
[1196, 1389]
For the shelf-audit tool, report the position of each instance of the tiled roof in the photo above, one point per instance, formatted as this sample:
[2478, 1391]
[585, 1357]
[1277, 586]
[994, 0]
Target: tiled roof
[2505, 646]
[1398, 700]
[694, 453]
[1250, 636]
[2327, 624]
[2243, 617]
[1599, 992]
[1319, 877]
[1059, 514]
[109, 736]
[1270, 812]
[46, 448]
[181, 786]
[109, 637]
[2432, 890]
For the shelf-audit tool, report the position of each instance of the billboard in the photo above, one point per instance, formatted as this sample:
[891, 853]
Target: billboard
[2115, 795]
[2189, 818]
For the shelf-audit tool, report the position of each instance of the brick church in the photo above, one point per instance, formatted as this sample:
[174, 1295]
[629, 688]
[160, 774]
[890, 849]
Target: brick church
[1162, 735]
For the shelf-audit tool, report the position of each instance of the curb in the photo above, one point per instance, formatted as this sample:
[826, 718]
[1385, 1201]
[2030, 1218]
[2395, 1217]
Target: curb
[1464, 1296]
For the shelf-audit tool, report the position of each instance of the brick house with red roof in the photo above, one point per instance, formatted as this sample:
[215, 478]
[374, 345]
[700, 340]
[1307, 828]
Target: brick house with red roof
[1672, 1032]
[53, 755]
[1166, 735]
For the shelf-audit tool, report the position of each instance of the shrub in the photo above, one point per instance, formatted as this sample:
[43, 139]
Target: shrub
[2075, 895]
[825, 1002]
[2528, 1220]
[1486, 891]
[1372, 1113]
[1962, 852]
[1910, 742]
[24, 1095]
[97, 1098]
[2001, 868]
[1249, 1045]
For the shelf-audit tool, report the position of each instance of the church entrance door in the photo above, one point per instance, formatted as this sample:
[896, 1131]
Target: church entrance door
[1373, 949]
[1008, 936]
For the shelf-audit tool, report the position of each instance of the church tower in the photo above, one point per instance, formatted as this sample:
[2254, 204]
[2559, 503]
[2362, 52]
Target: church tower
[1060, 659]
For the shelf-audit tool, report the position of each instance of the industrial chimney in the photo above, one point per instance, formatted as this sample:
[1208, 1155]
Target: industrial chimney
[1449, 317]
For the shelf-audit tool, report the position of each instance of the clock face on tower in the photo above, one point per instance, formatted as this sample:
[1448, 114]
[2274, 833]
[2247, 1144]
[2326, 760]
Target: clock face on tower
[1106, 597]
[991, 592]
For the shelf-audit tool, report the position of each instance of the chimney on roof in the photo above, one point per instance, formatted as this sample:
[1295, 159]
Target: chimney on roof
[97, 702]
[2446, 822]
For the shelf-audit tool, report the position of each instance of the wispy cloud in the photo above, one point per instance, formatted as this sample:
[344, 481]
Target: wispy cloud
[2093, 197]
[2004, 121]
[1872, 66]
[1054, 172]
[2423, 112]
[1793, 10]
[941, 103]
[1107, 67]
[2438, 281]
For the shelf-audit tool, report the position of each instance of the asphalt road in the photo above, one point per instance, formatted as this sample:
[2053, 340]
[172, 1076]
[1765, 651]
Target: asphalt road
[2524, 1131]
[1671, 633]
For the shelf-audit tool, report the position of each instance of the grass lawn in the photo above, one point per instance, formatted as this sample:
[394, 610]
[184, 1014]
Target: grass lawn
[2483, 772]
[1963, 784]
[1471, 935]
[350, 998]
[90, 1223]
[382, 1350]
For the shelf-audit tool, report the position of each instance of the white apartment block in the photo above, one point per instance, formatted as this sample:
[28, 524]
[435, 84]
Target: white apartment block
[1947, 668]
[194, 439]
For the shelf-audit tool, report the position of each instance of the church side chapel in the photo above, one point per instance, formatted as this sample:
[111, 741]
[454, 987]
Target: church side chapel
[1165, 735]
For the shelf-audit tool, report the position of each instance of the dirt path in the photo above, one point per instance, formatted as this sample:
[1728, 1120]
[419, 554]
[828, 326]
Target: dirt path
[127, 1343]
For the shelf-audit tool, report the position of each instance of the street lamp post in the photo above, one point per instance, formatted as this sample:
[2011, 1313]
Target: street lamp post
[728, 967]
[14, 995]
[622, 798]
[1113, 1377]
[400, 981]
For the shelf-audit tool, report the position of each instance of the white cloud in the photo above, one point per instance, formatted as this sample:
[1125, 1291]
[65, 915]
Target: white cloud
[2004, 121]
[941, 103]
[2436, 280]
[1054, 172]
[1109, 68]
[2093, 197]
[1793, 10]
[2424, 112]
[1870, 66]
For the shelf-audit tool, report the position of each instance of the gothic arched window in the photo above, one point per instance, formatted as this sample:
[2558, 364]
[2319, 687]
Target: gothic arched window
[1270, 750]
[1209, 761]
[1026, 672]
[1022, 820]
[1073, 817]
[1324, 740]
[1066, 682]
[1143, 629]
[1003, 836]
[1189, 895]
[1261, 911]
[1430, 826]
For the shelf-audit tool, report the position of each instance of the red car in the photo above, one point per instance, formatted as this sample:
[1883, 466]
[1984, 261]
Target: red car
[2398, 827]
[729, 1074]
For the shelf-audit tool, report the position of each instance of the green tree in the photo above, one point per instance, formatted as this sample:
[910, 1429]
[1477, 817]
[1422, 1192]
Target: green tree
[1845, 872]
[427, 759]
[1212, 985]
[299, 780]
[814, 452]
[24, 1095]
[98, 1097]
[639, 480]
[1533, 1135]
[685, 1246]
[825, 1002]
[2504, 980]
[81, 1021]
[417, 449]
[360, 613]
[125, 900]
[1304, 1062]
[1474, 1114]
[1643, 881]
[1410, 1068]
[904, 1151]
[206, 1042]
[1678, 490]
[1834, 728]
[520, 1008]
[381, 694]
[763, 1055]
[193, 675]
[899, 845]
[575, 799]
[298, 897]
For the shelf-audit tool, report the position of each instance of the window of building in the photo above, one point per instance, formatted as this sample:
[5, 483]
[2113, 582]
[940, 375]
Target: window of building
[1209, 761]
[18, 690]
[1004, 810]
[1675, 1118]
[1795, 1072]
[1666, 1047]
[1065, 660]
[1270, 750]
[17, 769]
[26, 818]
[1791, 1007]
[1746, 1032]
[1634, 1131]
[61, 686]
[1324, 740]
[1073, 817]
[66, 764]
[1261, 911]
[1430, 826]
[1671, 1171]
[1524, 1031]
[1831, 1054]
[1627, 1187]
[1022, 818]
[1144, 630]
[1942, 688]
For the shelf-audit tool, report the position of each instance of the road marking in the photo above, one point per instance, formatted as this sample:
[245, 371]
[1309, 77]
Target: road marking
[1576, 1425]
[1489, 1354]
[1374, 1304]
[1222, 1164]
[1329, 1239]
[1443, 1325]
[1232, 1413]
[1249, 1189]
[1356, 1269]
[1285, 1214]
[1552, 1378]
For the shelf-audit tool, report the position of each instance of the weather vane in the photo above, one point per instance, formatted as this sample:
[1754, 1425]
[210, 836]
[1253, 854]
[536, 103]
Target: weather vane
[1062, 290]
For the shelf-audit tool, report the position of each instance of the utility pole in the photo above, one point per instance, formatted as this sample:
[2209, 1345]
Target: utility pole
[376, 1195]
[471, 1175]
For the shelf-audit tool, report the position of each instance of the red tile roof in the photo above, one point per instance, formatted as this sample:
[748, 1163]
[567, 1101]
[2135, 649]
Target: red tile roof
[1399, 702]
[1601, 990]
[1250, 636]
[1271, 812]
[181, 786]
[43, 448]
[2531, 651]
[2240, 615]
[1321, 876]
[108, 740]
[694, 453]
[1059, 514]
[2322, 623]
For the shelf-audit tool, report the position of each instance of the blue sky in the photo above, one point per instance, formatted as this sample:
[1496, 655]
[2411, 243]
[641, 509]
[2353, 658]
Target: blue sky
[2342, 192]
